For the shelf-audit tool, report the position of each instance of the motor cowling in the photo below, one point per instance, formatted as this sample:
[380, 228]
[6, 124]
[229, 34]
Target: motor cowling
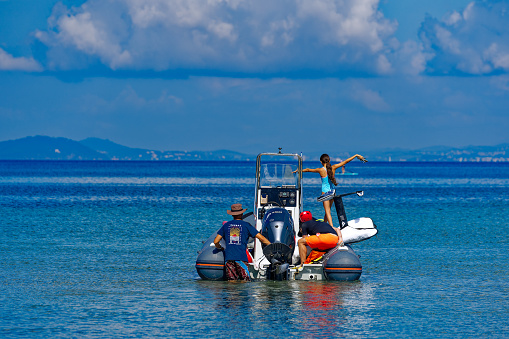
[277, 227]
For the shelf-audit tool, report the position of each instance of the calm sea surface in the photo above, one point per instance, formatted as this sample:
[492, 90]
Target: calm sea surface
[107, 249]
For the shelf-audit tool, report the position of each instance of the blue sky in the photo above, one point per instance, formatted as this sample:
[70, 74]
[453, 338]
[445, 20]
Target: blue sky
[251, 76]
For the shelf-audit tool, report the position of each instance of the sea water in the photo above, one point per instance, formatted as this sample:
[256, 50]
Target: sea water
[108, 249]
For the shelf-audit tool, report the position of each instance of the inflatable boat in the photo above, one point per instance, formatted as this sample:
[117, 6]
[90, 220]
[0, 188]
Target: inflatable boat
[277, 206]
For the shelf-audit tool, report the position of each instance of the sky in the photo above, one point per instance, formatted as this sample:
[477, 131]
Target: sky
[252, 76]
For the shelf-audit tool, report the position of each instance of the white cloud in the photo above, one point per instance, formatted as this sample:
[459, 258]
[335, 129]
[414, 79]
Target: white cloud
[453, 18]
[347, 22]
[315, 38]
[447, 41]
[11, 63]
[370, 99]
[498, 55]
[383, 64]
[86, 33]
[89, 37]
[282, 28]
[475, 41]
[130, 99]
[231, 35]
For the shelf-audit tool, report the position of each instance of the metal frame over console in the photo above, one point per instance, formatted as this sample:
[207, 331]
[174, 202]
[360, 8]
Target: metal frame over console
[268, 195]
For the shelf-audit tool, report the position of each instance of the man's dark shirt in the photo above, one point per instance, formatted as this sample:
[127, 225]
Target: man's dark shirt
[313, 227]
[236, 234]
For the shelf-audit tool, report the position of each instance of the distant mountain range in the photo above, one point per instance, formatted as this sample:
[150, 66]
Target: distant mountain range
[498, 153]
[49, 148]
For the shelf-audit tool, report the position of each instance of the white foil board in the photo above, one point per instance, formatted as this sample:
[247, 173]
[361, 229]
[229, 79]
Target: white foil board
[358, 230]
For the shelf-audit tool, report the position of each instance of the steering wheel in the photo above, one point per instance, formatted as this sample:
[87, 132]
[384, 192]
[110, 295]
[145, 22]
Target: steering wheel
[263, 209]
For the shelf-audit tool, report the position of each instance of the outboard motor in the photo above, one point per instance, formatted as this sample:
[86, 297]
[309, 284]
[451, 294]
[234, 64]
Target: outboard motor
[277, 227]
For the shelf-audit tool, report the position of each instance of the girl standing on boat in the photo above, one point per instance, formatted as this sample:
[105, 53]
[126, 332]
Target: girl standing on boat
[329, 181]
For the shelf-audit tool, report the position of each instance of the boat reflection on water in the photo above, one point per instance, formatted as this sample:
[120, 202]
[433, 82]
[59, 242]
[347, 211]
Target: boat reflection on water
[319, 301]
[308, 309]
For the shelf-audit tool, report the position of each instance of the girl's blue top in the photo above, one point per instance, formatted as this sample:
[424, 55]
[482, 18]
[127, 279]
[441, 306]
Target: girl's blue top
[327, 184]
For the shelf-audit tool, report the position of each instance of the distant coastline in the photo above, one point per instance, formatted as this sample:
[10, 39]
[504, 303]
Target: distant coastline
[51, 148]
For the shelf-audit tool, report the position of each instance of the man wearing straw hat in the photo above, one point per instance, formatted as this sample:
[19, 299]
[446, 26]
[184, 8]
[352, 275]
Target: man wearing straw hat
[236, 234]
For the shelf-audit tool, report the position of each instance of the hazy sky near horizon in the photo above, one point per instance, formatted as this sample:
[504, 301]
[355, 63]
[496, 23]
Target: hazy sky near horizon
[251, 76]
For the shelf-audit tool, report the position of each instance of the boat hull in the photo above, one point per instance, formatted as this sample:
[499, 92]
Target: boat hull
[339, 264]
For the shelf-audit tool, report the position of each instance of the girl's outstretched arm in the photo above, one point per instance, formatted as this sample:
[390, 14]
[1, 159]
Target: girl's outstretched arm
[343, 163]
[314, 170]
